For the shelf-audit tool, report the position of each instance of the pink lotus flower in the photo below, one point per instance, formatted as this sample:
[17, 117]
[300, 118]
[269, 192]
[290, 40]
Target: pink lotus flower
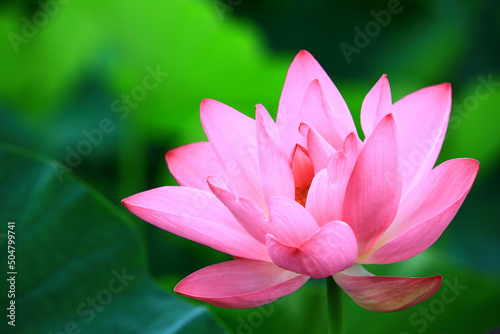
[305, 197]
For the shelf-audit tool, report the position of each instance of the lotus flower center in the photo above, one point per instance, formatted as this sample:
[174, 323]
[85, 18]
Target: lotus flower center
[301, 195]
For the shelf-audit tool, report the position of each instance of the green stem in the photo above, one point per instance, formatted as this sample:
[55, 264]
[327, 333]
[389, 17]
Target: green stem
[335, 311]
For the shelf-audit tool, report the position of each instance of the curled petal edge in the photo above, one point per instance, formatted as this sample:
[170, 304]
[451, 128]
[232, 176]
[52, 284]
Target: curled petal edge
[240, 284]
[385, 293]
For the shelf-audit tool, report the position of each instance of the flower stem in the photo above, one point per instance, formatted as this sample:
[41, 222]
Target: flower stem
[335, 311]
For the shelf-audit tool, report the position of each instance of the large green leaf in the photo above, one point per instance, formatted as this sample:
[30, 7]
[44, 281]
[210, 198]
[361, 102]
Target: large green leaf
[79, 266]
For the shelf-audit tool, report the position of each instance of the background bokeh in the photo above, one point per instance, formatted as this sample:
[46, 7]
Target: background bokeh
[105, 88]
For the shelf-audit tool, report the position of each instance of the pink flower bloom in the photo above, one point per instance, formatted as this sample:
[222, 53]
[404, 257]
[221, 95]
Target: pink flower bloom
[305, 197]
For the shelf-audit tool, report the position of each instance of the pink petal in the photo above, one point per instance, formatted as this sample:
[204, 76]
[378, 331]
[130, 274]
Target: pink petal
[303, 70]
[275, 171]
[184, 164]
[234, 140]
[421, 119]
[302, 168]
[250, 217]
[371, 199]
[196, 215]
[240, 284]
[331, 249]
[387, 294]
[289, 221]
[318, 148]
[377, 104]
[316, 111]
[426, 212]
[326, 194]
[341, 163]
[324, 200]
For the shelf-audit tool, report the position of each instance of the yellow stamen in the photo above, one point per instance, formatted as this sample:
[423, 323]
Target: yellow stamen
[301, 195]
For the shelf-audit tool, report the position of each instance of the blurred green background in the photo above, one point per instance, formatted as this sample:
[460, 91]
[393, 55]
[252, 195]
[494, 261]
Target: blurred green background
[106, 88]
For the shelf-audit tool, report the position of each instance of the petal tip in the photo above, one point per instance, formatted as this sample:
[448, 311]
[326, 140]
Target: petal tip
[389, 117]
[304, 128]
[443, 88]
[206, 103]
[260, 112]
[304, 53]
[127, 202]
[215, 183]
[446, 85]
[170, 155]
[476, 163]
